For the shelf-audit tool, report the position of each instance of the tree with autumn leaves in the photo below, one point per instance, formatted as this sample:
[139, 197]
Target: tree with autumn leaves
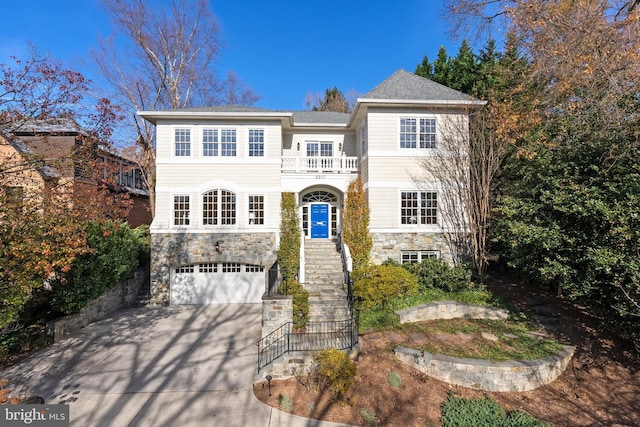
[565, 205]
[43, 208]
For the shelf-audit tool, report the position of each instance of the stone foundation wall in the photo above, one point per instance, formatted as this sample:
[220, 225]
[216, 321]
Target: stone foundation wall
[450, 310]
[170, 250]
[511, 375]
[389, 245]
[123, 295]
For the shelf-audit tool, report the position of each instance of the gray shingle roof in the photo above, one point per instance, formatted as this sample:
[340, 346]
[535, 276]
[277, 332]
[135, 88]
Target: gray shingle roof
[225, 109]
[403, 85]
[318, 117]
[55, 125]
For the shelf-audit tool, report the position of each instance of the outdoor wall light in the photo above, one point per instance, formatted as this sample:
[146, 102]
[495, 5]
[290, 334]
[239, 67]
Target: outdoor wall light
[298, 146]
[217, 247]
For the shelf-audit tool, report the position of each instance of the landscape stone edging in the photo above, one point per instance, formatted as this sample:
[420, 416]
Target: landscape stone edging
[479, 374]
[450, 310]
[122, 295]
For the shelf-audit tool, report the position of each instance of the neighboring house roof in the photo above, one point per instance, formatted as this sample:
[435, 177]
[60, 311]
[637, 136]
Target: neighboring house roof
[50, 126]
[403, 85]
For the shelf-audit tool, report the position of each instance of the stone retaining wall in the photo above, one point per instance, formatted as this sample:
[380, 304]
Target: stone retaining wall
[450, 310]
[276, 311]
[511, 375]
[123, 295]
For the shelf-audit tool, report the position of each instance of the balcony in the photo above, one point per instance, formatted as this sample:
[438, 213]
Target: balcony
[316, 164]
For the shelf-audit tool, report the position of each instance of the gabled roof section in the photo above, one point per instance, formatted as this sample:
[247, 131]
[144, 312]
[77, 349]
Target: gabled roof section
[406, 86]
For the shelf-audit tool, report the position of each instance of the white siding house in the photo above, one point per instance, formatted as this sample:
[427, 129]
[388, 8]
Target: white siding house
[221, 172]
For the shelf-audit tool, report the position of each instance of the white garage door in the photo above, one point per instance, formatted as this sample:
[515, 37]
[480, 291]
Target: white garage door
[217, 283]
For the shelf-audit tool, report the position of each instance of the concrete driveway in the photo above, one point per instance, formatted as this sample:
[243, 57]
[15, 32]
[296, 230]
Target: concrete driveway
[174, 366]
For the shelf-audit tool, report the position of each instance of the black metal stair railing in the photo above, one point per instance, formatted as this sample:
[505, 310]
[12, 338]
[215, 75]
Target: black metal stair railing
[341, 335]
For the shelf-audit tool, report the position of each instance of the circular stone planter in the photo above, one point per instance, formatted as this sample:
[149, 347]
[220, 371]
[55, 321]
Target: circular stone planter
[510, 375]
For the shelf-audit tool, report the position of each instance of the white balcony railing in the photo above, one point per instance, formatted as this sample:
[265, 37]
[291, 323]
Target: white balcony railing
[320, 164]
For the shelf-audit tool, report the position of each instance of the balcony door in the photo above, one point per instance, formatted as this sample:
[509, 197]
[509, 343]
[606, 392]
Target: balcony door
[320, 156]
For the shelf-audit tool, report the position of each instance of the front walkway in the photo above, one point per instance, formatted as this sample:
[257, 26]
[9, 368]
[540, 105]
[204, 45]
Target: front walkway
[177, 366]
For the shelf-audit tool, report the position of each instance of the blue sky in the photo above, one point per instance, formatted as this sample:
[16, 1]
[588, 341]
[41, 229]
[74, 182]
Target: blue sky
[282, 49]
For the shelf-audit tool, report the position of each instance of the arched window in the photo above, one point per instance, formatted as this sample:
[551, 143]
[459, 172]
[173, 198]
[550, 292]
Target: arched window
[319, 196]
[219, 207]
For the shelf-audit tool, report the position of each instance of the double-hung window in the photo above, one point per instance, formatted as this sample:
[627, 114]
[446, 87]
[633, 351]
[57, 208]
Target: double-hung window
[219, 207]
[228, 142]
[417, 132]
[181, 210]
[210, 142]
[419, 207]
[407, 132]
[256, 210]
[256, 143]
[182, 141]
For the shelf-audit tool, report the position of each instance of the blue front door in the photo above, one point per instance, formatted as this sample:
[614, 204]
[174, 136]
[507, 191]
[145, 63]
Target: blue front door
[319, 221]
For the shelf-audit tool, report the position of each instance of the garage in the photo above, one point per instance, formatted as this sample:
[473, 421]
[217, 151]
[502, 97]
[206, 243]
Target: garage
[217, 283]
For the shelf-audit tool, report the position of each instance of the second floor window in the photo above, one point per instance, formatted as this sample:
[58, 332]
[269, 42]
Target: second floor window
[419, 207]
[219, 208]
[228, 142]
[417, 132]
[182, 140]
[256, 143]
[209, 142]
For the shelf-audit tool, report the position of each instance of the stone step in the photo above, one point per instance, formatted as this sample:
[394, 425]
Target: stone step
[314, 285]
[328, 275]
[324, 267]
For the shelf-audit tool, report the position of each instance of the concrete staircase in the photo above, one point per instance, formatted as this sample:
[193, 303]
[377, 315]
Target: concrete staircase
[324, 280]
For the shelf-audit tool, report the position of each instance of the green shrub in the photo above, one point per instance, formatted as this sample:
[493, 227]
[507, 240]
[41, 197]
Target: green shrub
[458, 412]
[394, 379]
[300, 302]
[113, 256]
[285, 402]
[289, 250]
[436, 273]
[381, 283]
[336, 371]
[369, 415]
[144, 249]
[355, 225]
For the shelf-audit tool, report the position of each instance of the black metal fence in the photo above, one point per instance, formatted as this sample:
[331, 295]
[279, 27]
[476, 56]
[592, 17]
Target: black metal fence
[342, 335]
